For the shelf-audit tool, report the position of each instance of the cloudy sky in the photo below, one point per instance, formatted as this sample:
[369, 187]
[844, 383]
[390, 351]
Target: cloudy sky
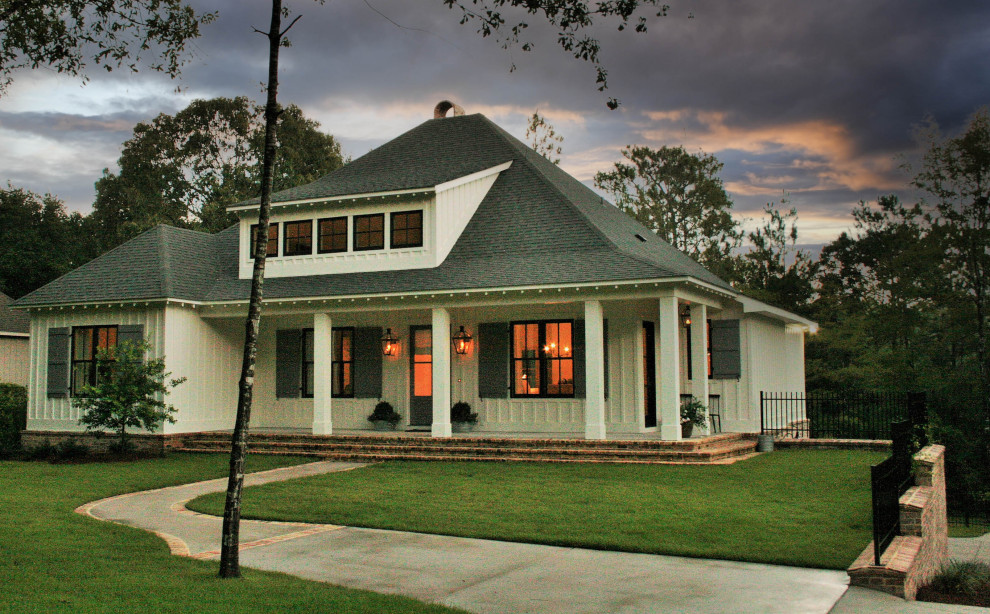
[820, 100]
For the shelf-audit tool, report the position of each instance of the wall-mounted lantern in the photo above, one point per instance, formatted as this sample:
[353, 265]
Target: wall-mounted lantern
[389, 343]
[686, 316]
[461, 341]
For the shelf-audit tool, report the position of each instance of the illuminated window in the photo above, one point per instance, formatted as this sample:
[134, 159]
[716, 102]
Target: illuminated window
[87, 341]
[407, 229]
[542, 359]
[272, 238]
[333, 235]
[298, 238]
[369, 231]
[342, 363]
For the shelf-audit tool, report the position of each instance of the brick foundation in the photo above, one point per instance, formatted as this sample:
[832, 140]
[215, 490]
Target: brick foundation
[144, 443]
[921, 549]
[877, 445]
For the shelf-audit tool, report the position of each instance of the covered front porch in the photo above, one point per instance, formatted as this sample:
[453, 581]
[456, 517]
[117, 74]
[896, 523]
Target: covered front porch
[535, 365]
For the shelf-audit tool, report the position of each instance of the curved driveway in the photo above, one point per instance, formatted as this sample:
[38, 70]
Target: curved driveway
[474, 574]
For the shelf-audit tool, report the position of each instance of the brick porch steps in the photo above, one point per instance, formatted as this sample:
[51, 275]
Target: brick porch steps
[717, 449]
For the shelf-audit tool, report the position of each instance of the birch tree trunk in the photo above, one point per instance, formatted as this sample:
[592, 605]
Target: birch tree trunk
[230, 544]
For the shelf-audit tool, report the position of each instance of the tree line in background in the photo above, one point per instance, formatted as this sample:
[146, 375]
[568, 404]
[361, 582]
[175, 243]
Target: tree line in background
[181, 170]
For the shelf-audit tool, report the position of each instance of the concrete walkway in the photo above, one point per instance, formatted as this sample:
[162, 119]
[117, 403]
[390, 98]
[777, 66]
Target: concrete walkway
[474, 574]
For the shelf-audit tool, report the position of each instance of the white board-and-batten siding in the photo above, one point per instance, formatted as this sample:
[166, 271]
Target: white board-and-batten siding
[61, 414]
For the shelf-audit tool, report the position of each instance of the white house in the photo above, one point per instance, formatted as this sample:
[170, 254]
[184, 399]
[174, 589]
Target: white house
[14, 326]
[576, 314]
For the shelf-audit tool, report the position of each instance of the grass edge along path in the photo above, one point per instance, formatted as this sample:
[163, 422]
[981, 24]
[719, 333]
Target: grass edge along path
[54, 560]
[807, 508]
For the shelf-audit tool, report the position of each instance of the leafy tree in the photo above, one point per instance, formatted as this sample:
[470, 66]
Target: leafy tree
[543, 138]
[956, 175]
[129, 393]
[66, 35]
[679, 196]
[39, 240]
[184, 169]
[774, 271]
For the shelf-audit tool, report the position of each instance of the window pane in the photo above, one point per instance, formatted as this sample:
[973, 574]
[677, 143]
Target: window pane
[407, 229]
[82, 343]
[308, 379]
[80, 376]
[423, 379]
[308, 345]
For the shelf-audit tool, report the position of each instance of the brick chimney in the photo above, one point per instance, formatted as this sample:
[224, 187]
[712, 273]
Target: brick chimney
[440, 111]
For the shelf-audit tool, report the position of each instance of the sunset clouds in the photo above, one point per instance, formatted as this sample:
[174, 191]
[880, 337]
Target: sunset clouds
[818, 100]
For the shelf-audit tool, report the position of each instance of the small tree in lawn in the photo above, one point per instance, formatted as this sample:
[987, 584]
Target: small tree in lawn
[129, 392]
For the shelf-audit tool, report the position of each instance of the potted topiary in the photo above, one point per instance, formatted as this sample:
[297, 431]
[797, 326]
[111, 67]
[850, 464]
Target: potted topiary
[693, 412]
[384, 417]
[461, 418]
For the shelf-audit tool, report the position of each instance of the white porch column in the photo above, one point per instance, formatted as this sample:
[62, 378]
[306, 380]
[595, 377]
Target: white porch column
[322, 399]
[699, 357]
[594, 371]
[441, 372]
[669, 391]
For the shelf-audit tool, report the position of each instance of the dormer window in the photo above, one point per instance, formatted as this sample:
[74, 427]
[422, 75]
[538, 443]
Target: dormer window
[369, 231]
[407, 229]
[298, 238]
[333, 235]
[272, 238]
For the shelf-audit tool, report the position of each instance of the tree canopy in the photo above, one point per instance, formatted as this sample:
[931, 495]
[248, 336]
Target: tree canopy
[184, 169]
[678, 195]
[39, 240]
[543, 138]
[70, 36]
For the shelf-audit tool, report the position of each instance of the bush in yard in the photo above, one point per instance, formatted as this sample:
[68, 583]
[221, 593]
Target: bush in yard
[961, 583]
[130, 392]
[385, 412]
[13, 418]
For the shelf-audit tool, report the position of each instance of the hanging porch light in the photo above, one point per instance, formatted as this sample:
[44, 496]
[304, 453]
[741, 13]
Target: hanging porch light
[389, 343]
[461, 341]
[686, 316]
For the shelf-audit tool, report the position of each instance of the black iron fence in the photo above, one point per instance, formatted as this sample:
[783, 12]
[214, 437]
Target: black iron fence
[829, 415]
[889, 480]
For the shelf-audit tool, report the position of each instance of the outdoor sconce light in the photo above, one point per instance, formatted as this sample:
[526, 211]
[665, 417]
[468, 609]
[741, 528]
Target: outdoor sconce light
[461, 341]
[686, 316]
[389, 343]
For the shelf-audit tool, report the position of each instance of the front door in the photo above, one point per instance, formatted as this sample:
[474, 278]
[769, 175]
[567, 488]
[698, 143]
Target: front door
[650, 374]
[421, 376]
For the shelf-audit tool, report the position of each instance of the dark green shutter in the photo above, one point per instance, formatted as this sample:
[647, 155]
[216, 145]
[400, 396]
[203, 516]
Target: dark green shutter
[493, 360]
[577, 341]
[368, 363]
[58, 362]
[605, 344]
[288, 363]
[726, 361]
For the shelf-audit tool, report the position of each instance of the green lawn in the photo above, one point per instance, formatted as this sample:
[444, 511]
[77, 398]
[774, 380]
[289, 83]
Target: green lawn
[975, 530]
[792, 507]
[54, 560]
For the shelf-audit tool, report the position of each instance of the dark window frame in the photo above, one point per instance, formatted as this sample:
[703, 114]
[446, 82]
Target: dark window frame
[356, 232]
[92, 375]
[319, 234]
[391, 231]
[273, 225]
[334, 362]
[544, 363]
[286, 237]
[708, 334]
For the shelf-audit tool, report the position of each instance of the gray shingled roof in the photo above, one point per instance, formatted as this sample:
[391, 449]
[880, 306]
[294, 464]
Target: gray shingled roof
[12, 321]
[536, 226]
